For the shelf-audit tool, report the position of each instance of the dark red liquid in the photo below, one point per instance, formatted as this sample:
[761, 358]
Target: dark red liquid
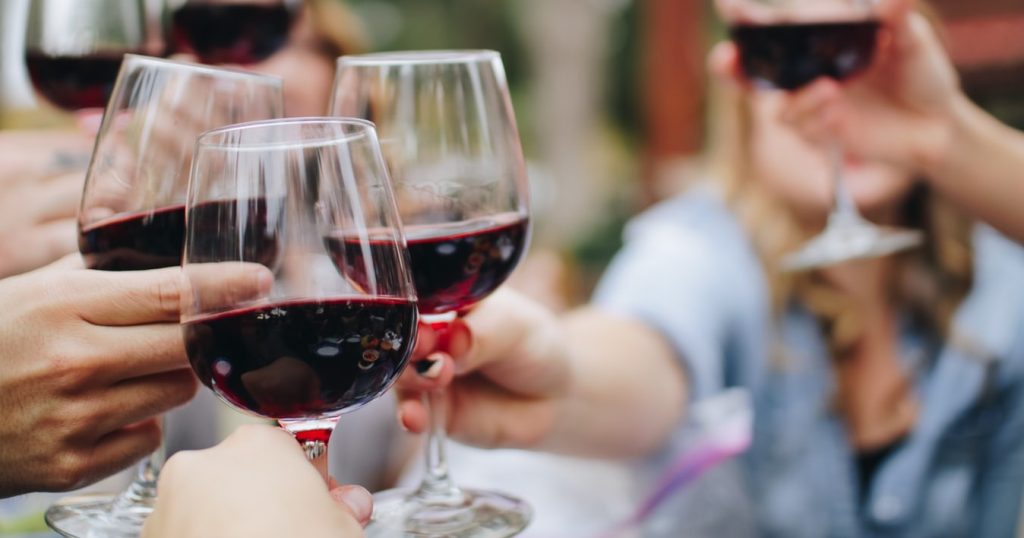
[135, 242]
[230, 33]
[74, 82]
[453, 266]
[235, 230]
[788, 56]
[303, 359]
[154, 239]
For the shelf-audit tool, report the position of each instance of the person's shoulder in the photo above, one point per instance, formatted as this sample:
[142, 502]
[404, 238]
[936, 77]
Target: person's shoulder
[699, 209]
[994, 310]
[996, 258]
[691, 241]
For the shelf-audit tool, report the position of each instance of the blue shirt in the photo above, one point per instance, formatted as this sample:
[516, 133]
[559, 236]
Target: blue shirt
[689, 271]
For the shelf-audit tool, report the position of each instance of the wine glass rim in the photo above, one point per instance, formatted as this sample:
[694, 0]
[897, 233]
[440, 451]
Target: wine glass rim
[142, 59]
[205, 140]
[420, 57]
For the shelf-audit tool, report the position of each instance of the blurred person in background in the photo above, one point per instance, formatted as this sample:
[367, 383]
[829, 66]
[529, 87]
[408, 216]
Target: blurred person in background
[911, 113]
[888, 393]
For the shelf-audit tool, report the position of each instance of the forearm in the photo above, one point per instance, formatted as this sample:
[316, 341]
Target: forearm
[626, 393]
[979, 164]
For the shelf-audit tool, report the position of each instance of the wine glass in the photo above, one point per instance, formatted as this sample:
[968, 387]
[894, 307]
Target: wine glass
[133, 213]
[450, 140]
[787, 44]
[73, 49]
[232, 32]
[324, 338]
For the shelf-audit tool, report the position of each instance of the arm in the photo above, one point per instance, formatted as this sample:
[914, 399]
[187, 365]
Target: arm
[980, 165]
[589, 384]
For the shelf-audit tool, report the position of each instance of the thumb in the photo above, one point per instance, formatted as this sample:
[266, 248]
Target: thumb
[356, 500]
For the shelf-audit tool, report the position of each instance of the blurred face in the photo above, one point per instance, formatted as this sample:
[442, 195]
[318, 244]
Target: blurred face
[800, 174]
[307, 76]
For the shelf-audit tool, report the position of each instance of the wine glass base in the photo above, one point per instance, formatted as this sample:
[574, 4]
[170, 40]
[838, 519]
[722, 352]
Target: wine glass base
[99, 515]
[479, 514]
[847, 242]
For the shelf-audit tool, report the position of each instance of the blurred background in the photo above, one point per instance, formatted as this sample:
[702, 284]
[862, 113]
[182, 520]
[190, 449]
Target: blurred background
[610, 97]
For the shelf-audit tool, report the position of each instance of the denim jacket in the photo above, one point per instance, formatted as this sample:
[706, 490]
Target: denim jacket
[689, 272]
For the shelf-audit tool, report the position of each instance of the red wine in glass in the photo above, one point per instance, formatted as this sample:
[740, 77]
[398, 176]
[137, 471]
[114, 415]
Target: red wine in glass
[303, 359]
[74, 82]
[154, 239]
[230, 33]
[788, 56]
[135, 242]
[454, 265]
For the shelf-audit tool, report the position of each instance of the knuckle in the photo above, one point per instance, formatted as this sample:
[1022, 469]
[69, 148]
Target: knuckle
[70, 470]
[167, 291]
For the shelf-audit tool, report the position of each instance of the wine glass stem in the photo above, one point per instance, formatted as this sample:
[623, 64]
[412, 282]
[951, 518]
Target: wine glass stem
[844, 210]
[313, 437]
[142, 490]
[437, 486]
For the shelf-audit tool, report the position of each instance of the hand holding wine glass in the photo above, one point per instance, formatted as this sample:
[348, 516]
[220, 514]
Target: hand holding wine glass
[90, 359]
[788, 45]
[513, 375]
[132, 215]
[256, 471]
[900, 111]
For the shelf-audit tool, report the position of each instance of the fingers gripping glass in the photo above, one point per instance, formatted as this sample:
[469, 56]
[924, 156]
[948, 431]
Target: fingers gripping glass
[133, 214]
[313, 338]
[450, 140]
[787, 44]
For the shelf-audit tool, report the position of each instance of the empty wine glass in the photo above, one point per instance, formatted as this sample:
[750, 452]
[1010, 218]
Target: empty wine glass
[323, 338]
[133, 214]
[450, 140]
[787, 44]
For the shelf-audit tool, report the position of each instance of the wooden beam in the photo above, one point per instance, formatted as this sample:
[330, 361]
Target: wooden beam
[674, 50]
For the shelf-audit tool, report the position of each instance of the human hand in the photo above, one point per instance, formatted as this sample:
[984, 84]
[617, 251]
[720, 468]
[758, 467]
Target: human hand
[40, 186]
[87, 360]
[256, 483]
[901, 111]
[511, 371]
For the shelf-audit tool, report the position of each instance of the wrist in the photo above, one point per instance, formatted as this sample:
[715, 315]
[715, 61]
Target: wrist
[945, 140]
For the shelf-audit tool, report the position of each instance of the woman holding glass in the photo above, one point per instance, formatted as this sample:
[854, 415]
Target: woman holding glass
[887, 391]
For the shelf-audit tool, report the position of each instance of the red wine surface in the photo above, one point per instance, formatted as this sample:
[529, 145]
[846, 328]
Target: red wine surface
[788, 56]
[303, 359]
[454, 265]
[230, 33]
[135, 242]
[74, 82]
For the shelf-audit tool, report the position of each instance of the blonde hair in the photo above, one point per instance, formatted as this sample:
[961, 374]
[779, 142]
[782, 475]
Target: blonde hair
[930, 282]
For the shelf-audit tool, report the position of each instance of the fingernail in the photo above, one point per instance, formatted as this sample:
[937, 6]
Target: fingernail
[429, 368]
[358, 500]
